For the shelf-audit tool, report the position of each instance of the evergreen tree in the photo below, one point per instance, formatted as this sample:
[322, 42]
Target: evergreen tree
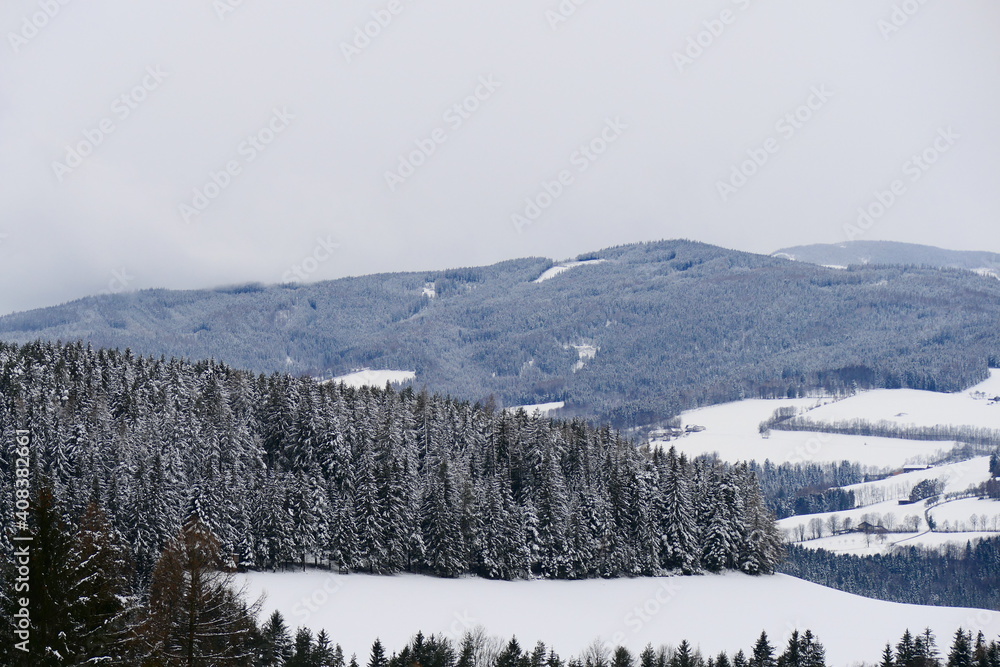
[622, 658]
[195, 616]
[276, 643]
[684, 656]
[811, 651]
[302, 650]
[763, 653]
[961, 650]
[378, 658]
[887, 658]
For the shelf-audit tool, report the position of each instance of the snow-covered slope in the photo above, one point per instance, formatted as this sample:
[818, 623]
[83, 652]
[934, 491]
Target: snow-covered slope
[973, 407]
[565, 266]
[731, 431]
[371, 378]
[723, 612]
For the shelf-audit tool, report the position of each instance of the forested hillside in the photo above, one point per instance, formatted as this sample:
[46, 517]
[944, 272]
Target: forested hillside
[288, 471]
[631, 340]
[892, 252]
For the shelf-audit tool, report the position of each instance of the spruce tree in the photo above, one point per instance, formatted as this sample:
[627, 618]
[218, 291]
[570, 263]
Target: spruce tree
[763, 653]
[961, 650]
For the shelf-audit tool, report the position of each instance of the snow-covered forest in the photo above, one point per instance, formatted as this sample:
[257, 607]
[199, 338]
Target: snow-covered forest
[287, 472]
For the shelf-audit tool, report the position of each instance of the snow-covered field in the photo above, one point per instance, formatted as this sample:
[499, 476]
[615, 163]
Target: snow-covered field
[858, 544]
[919, 408]
[954, 520]
[372, 378]
[721, 612]
[889, 514]
[731, 431]
[956, 477]
[968, 514]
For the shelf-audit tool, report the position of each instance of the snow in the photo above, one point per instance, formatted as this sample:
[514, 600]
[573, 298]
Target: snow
[565, 266]
[953, 523]
[956, 477]
[540, 408]
[858, 544]
[584, 353]
[373, 378]
[919, 408]
[890, 514]
[716, 612]
[958, 515]
[731, 431]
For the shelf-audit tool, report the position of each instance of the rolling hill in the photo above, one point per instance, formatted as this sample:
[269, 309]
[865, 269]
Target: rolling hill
[652, 329]
[890, 252]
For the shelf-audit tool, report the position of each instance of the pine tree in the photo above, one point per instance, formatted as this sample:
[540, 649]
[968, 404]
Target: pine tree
[441, 529]
[812, 652]
[195, 616]
[961, 650]
[622, 658]
[887, 657]
[302, 650]
[276, 644]
[684, 656]
[378, 658]
[763, 653]
[906, 650]
[103, 603]
[679, 540]
[511, 656]
[792, 657]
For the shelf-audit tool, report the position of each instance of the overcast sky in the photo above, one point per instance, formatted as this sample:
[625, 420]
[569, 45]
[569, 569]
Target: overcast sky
[194, 143]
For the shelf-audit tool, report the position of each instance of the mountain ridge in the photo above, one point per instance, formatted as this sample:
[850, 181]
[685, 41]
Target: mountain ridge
[672, 325]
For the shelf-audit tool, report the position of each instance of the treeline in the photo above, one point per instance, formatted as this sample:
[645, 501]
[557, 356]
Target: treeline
[979, 440]
[287, 471]
[477, 649]
[948, 576]
[83, 607]
[810, 488]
